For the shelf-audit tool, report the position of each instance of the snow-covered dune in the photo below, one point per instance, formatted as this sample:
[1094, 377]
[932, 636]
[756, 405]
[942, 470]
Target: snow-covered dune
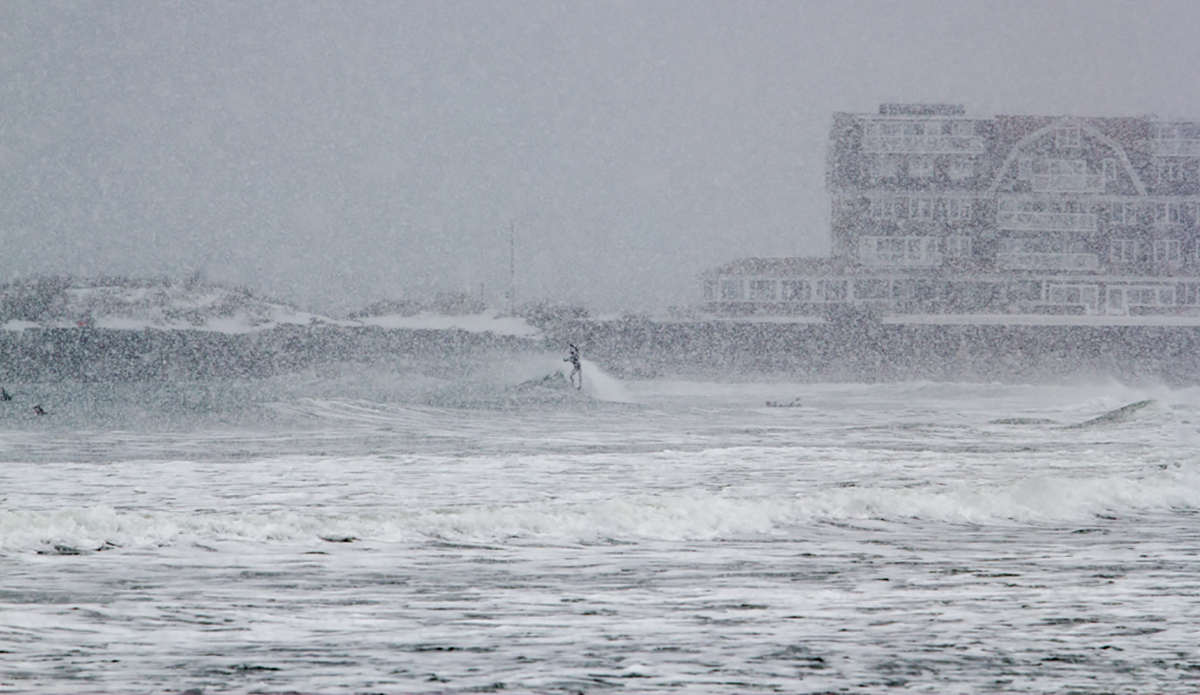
[126, 304]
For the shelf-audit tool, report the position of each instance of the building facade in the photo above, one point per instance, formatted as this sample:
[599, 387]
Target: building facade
[940, 214]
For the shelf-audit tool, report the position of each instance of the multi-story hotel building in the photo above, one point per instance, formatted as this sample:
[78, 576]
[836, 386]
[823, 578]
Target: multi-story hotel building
[939, 216]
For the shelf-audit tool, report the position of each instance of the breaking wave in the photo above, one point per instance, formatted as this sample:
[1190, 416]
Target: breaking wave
[1043, 500]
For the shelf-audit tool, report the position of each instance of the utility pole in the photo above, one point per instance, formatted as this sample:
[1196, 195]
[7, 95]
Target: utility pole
[512, 267]
[512, 261]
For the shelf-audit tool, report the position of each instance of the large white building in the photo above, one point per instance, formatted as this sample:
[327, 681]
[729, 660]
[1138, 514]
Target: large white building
[943, 217]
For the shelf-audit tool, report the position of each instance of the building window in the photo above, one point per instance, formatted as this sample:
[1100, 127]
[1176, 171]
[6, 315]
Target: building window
[795, 290]
[1123, 212]
[1150, 296]
[958, 247]
[1036, 215]
[921, 208]
[1167, 251]
[1025, 169]
[872, 289]
[731, 290]
[963, 128]
[1170, 171]
[1164, 131]
[1168, 213]
[1140, 296]
[762, 290]
[1123, 251]
[1189, 294]
[1065, 175]
[710, 290]
[898, 251]
[1087, 295]
[886, 167]
[920, 168]
[918, 290]
[1110, 170]
[1025, 291]
[961, 169]
[1068, 138]
[1045, 252]
[831, 290]
[958, 209]
[888, 208]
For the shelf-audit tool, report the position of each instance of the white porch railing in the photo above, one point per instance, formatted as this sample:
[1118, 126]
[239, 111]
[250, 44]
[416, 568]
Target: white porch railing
[1086, 183]
[1048, 261]
[923, 144]
[1048, 221]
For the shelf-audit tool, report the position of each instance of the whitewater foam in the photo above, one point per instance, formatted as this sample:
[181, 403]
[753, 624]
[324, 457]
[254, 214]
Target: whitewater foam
[597, 383]
[882, 537]
[661, 517]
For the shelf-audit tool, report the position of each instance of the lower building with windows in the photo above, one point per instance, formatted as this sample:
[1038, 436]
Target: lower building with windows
[941, 217]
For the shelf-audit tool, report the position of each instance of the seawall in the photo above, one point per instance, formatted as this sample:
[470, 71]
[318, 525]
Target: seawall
[867, 350]
[632, 347]
[89, 354]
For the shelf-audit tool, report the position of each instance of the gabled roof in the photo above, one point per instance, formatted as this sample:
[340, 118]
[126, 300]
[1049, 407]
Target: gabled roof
[1060, 123]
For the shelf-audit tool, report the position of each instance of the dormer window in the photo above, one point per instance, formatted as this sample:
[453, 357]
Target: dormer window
[1068, 138]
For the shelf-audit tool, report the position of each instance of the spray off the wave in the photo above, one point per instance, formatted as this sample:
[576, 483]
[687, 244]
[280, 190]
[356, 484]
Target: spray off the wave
[596, 382]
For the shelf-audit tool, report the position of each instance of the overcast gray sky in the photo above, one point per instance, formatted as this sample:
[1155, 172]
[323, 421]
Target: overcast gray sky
[337, 153]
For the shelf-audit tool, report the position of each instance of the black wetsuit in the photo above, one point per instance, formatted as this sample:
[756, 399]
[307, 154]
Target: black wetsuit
[576, 369]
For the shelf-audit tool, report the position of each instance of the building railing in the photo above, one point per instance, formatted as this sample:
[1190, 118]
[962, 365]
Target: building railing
[1048, 221]
[1087, 183]
[923, 144]
[1048, 261]
[900, 259]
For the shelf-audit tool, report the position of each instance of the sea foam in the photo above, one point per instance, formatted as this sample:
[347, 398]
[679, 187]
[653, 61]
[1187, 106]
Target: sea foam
[693, 515]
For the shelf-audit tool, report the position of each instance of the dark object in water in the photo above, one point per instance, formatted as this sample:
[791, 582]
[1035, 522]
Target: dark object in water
[1023, 421]
[795, 403]
[1119, 415]
[4, 395]
[38, 410]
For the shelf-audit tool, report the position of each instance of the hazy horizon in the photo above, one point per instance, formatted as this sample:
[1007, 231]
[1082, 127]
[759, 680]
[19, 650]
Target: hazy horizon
[333, 155]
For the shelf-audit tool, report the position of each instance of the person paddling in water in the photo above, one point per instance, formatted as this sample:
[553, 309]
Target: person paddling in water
[576, 370]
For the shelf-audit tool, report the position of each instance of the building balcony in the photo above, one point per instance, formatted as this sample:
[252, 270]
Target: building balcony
[1047, 261]
[900, 259]
[1068, 183]
[1047, 221]
[923, 144]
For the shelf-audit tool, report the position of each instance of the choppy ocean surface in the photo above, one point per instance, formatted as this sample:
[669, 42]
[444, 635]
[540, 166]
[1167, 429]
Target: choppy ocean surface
[376, 532]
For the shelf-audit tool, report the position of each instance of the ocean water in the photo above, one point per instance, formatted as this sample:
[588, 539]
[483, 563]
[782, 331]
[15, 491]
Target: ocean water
[368, 531]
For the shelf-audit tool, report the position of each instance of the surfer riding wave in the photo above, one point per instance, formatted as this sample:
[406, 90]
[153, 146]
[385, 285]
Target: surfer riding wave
[576, 377]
